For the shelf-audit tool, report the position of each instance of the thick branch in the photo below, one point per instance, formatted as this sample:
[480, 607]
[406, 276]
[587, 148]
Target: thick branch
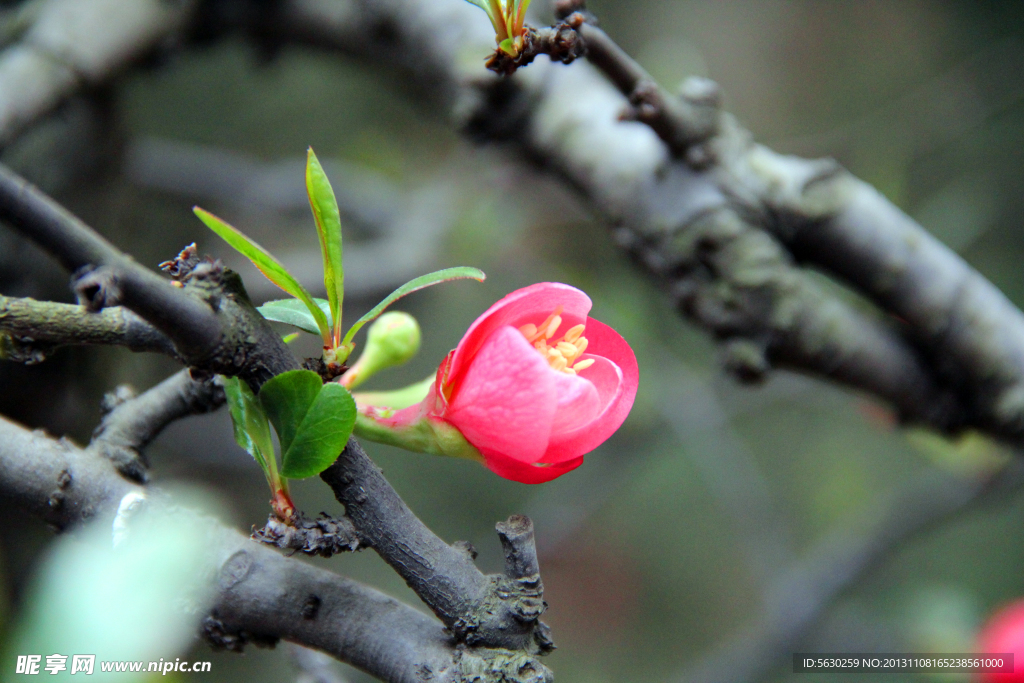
[493, 611]
[131, 422]
[35, 328]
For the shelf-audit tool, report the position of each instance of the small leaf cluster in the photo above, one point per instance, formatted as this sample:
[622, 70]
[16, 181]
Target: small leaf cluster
[508, 17]
[313, 420]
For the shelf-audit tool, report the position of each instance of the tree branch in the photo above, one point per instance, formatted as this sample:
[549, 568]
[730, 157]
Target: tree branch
[34, 329]
[209, 319]
[131, 421]
[491, 611]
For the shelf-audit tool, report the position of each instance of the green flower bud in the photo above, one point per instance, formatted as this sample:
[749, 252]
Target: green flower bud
[392, 339]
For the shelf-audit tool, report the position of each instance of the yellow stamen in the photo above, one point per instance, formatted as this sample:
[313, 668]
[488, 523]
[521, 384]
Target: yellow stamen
[553, 326]
[561, 354]
[573, 333]
[566, 349]
[583, 364]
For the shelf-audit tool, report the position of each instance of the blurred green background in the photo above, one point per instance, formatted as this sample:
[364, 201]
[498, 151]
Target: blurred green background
[661, 545]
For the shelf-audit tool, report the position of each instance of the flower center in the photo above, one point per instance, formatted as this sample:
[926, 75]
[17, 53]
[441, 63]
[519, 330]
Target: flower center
[561, 354]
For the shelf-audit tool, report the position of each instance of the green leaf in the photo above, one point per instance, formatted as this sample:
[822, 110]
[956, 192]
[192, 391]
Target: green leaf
[497, 15]
[328, 228]
[252, 431]
[519, 12]
[508, 47]
[289, 338]
[293, 312]
[437, 277]
[313, 420]
[267, 264]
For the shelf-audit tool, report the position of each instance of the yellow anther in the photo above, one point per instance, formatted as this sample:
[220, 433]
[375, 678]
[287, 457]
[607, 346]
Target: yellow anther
[553, 326]
[541, 346]
[559, 363]
[581, 344]
[568, 350]
[583, 364]
[529, 331]
[554, 353]
[573, 333]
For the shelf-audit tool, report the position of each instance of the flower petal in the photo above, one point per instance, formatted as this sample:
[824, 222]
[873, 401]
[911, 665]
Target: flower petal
[528, 305]
[507, 400]
[615, 376]
[529, 474]
[579, 403]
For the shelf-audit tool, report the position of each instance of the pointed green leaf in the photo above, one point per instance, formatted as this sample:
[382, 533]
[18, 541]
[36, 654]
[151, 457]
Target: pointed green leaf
[289, 338]
[313, 420]
[437, 277]
[252, 431]
[519, 12]
[497, 15]
[508, 47]
[294, 312]
[328, 228]
[267, 264]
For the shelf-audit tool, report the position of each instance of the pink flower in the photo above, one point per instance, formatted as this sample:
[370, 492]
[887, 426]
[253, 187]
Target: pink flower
[534, 384]
[1004, 634]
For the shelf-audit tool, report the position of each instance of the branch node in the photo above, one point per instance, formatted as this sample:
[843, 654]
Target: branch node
[746, 360]
[325, 536]
[517, 540]
[222, 637]
[97, 288]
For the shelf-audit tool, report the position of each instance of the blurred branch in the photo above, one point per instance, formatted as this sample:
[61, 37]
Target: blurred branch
[798, 598]
[131, 421]
[687, 221]
[33, 329]
[76, 44]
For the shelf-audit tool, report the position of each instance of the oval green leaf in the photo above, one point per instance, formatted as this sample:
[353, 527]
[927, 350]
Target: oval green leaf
[313, 420]
[293, 312]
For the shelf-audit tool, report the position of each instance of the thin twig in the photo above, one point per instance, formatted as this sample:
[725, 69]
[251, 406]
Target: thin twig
[132, 422]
